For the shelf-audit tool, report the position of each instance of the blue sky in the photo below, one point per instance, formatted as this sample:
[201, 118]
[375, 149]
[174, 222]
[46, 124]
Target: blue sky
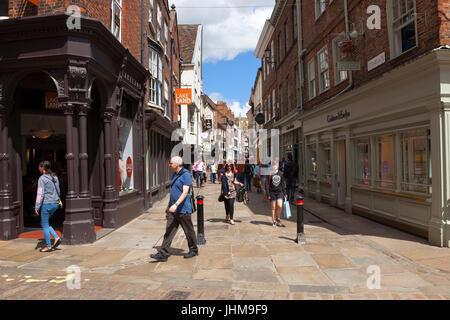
[231, 80]
[231, 30]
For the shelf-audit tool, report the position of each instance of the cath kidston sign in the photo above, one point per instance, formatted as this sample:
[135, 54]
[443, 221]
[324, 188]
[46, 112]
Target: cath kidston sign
[183, 96]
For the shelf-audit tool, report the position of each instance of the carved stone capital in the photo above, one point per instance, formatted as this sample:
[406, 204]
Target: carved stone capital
[83, 156]
[83, 109]
[67, 107]
[70, 156]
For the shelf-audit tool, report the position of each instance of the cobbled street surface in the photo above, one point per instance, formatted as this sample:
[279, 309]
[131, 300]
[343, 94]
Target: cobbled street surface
[250, 260]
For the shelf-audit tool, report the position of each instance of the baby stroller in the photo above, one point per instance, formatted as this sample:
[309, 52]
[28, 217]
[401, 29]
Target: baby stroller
[242, 195]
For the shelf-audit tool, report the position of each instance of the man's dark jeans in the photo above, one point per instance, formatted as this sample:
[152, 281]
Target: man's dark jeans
[173, 221]
[290, 188]
[248, 182]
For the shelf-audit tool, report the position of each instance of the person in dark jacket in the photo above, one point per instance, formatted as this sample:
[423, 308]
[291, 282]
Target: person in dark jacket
[290, 174]
[47, 201]
[229, 180]
[275, 192]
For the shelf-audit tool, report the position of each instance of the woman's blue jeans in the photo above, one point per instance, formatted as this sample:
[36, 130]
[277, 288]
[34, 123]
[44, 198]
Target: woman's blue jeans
[47, 210]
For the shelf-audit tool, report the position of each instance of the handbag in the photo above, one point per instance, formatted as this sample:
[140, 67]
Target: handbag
[221, 198]
[286, 209]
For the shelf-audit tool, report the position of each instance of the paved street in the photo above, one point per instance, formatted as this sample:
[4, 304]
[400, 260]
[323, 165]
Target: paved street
[250, 260]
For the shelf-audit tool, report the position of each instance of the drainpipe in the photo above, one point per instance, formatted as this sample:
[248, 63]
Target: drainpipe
[171, 79]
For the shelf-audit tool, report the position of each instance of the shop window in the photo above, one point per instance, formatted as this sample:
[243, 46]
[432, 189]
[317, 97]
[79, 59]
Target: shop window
[362, 158]
[116, 21]
[312, 161]
[402, 31]
[147, 160]
[416, 161]
[326, 157]
[324, 76]
[385, 163]
[126, 159]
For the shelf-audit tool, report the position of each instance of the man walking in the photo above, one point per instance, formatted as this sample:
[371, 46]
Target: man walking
[213, 172]
[290, 175]
[178, 211]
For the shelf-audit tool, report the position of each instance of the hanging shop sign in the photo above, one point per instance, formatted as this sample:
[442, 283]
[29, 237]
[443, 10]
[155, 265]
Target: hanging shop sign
[348, 66]
[183, 96]
[208, 124]
[343, 114]
[259, 118]
[377, 61]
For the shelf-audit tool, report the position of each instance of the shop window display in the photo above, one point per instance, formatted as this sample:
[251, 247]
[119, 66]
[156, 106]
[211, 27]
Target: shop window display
[326, 156]
[126, 159]
[312, 152]
[386, 161]
[416, 173]
[362, 173]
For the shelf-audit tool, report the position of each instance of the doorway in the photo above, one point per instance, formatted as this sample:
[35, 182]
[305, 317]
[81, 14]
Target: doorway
[39, 135]
[341, 173]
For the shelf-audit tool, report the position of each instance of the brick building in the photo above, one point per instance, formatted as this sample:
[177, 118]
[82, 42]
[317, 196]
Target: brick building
[372, 106]
[91, 91]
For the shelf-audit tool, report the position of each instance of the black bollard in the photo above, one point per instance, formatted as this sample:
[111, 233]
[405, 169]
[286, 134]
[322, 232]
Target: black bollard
[200, 221]
[300, 229]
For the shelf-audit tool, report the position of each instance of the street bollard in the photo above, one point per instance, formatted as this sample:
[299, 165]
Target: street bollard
[200, 221]
[300, 229]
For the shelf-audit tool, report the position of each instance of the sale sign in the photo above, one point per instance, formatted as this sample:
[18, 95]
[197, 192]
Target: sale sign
[129, 167]
[183, 96]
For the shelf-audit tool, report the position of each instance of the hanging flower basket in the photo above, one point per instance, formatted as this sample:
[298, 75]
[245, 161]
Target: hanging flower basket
[347, 46]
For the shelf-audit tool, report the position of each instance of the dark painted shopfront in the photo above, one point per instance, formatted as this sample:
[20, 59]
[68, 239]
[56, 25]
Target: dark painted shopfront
[76, 98]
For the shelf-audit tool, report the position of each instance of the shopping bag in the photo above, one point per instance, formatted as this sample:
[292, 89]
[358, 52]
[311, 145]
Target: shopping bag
[287, 209]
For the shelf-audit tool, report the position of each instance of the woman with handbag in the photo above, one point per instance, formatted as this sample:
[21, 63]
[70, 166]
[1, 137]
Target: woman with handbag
[229, 192]
[48, 201]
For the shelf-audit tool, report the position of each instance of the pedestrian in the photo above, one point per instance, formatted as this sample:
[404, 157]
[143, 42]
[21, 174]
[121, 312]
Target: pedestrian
[248, 171]
[257, 178]
[290, 175]
[213, 172]
[229, 191]
[275, 192]
[178, 211]
[282, 164]
[197, 171]
[48, 201]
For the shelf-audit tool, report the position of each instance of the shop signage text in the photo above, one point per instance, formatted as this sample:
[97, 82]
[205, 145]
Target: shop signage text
[183, 96]
[343, 114]
[377, 61]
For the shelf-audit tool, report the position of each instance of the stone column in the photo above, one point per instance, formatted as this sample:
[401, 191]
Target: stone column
[333, 157]
[348, 169]
[109, 196]
[69, 109]
[7, 220]
[318, 168]
[398, 162]
[439, 224]
[83, 111]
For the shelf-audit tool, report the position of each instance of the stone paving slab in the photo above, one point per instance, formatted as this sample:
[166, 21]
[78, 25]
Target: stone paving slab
[250, 260]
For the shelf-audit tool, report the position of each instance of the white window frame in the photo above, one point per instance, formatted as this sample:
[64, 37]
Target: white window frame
[155, 81]
[312, 92]
[395, 41]
[116, 5]
[324, 72]
[159, 22]
[320, 7]
[295, 22]
[286, 37]
[280, 93]
[272, 55]
[166, 38]
[339, 76]
[274, 103]
[151, 14]
[166, 98]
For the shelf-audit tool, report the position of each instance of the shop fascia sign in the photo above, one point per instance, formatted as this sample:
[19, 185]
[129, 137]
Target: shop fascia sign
[343, 114]
[183, 96]
[294, 125]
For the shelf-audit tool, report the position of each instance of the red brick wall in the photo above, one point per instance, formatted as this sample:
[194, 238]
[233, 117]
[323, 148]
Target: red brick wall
[431, 29]
[444, 29]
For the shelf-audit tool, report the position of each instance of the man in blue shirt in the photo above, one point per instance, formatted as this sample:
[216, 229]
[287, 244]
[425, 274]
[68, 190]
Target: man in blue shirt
[178, 211]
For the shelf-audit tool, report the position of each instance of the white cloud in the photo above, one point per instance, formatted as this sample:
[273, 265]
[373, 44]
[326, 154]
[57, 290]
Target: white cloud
[227, 31]
[236, 107]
